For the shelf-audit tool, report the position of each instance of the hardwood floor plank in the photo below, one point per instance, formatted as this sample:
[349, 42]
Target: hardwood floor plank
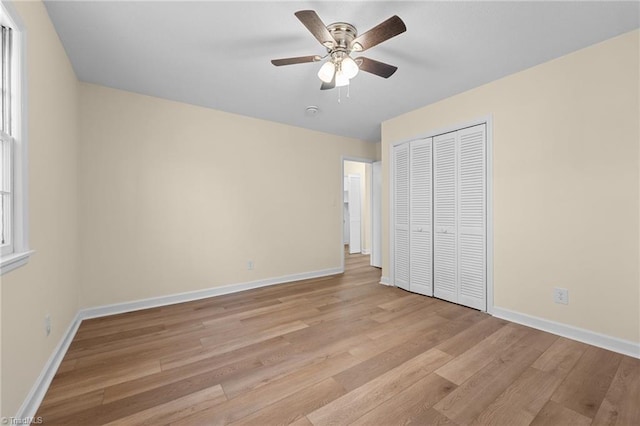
[411, 405]
[431, 417]
[56, 409]
[520, 403]
[182, 358]
[77, 383]
[422, 319]
[119, 408]
[319, 335]
[263, 396]
[175, 409]
[303, 421]
[142, 349]
[240, 315]
[250, 339]
[386, 345]
[365, 398]
[621, 404]
[67, 365]
[561, 357]
[470, 337]
[473, 396]
[378, 365]
[473, 360]
[175, 316]
[297, 357]
[588, 382]
[215, 372]
[553, 414]
[294, 407]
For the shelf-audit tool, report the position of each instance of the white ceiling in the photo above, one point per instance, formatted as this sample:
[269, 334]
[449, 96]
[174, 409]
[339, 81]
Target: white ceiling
[217, 54]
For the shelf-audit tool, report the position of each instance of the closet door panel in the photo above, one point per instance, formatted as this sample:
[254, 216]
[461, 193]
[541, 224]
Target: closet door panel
[445, 269]
[421, 244]
[401, 216]
[472, 217]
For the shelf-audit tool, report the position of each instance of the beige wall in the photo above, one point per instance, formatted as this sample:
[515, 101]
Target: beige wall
[178, 198]
[48, 284]
[566, 183]
[364, 171]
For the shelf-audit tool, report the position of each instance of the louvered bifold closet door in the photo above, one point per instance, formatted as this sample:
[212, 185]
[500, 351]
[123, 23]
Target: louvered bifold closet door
[472, 217]
[421, 257]
[401, 216]
[445, 268]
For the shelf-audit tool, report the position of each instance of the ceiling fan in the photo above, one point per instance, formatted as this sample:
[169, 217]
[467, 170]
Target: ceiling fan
[341, 39]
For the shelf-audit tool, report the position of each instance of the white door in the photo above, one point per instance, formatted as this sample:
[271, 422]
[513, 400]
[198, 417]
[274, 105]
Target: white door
[345, 212]
[421, 253]
[355, 214]
[445, 268]
[376, 214]
[345, 230]
[472, 217]
[400, 221]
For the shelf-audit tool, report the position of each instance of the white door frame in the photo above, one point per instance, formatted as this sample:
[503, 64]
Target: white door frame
[344, 158]
[376, 237]
[488, 120]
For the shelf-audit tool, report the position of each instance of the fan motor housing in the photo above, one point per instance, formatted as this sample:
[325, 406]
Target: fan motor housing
[343, 33]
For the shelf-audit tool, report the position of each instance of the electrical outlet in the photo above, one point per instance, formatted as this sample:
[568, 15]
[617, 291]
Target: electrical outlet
[250, 265]
[47, 324]
[561, 295]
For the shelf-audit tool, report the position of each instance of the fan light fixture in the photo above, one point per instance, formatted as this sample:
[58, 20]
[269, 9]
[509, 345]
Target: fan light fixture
[340, 39]
[341, 79]
[327, 71]
[342, 69]
[349, 67]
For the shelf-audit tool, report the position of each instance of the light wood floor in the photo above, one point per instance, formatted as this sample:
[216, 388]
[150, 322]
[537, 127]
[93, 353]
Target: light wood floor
[337, 350]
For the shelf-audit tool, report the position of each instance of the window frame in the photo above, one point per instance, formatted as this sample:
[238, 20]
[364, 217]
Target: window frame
[19, 252]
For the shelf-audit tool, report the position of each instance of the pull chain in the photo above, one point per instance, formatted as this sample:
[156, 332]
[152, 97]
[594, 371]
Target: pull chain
[339, 95]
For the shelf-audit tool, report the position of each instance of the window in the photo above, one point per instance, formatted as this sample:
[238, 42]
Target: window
[6, 155]
[14, 250]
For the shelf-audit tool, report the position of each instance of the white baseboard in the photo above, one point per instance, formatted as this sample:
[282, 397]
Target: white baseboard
[36, 394]
[385, 281]
[154, 302]
[625, 347]
[366, 251]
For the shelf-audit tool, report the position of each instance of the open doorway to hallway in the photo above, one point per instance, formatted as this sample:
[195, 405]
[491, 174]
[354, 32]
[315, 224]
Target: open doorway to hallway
[358, 210]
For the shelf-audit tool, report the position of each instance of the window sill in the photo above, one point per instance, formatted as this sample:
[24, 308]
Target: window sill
[14, 260]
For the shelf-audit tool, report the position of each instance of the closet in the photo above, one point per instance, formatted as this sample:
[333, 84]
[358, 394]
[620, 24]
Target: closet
[439, 216]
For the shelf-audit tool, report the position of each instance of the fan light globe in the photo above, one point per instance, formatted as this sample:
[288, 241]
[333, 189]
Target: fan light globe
[349, 67]
[341, 79]
[326, 72]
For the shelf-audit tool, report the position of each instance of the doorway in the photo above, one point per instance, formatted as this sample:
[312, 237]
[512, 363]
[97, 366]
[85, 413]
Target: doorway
[357, 209]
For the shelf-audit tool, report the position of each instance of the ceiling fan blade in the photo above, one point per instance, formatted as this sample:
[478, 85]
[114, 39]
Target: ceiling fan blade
[375, 67]
[381, 32]
[296, 60]
[314, 24]
[329, 85]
